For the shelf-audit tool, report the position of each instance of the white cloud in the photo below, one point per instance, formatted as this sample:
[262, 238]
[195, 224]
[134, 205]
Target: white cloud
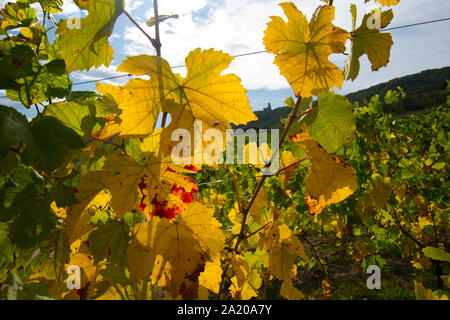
[237, 26]
[179, 6]
[132, 5]
[69, 8]
[100, 73]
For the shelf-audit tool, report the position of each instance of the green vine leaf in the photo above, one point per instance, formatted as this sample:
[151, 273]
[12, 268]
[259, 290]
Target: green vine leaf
[84, 43]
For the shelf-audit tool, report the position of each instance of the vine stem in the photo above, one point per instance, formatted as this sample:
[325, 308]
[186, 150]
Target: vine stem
[406, 233]
[157, 42]
[157, 45]
[246, 210]
[153, 42]
[108, 142]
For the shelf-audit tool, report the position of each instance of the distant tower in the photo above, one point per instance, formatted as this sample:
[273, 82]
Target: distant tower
[268, 108]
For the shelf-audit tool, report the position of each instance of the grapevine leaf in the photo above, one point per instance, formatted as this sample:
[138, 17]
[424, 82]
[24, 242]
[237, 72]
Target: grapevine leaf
[241, 270]
[386, 2]
[329, 180]
[260, 203]
[423, 293]
[209, 96]
[51, 6]
[6, 250]
[153, 187]
[369, 41]
[73, 115]
[50, 144]
[88, 272]
[84, 44]
[152, 21]
[287, 160]
[170, 250]
[79, 215]
[283, 248]
[211, 277]
[32, 218]
[63, 195]
[16, 15]
[47, 82]
[248, 289]
[13, 127]
[302, 49]
[109, 240]
[109, 98]
[436, 254]
[290, 292]
[16, 61]
[332, 123]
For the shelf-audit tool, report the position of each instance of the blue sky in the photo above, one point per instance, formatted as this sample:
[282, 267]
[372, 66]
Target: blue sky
[236, 27]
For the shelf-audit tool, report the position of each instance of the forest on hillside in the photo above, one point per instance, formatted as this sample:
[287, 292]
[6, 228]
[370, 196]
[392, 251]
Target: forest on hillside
[423, 90]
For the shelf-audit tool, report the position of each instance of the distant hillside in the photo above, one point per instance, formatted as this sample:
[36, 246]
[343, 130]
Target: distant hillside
[268, 118]
[423, 90]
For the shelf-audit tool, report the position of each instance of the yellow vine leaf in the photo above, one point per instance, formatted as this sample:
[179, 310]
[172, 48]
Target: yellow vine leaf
[236, 219]
[182, 118]
[386, 2]
[99, 137]
[111, 294]
[248, 289]
[203, 293]
[60, 212]
[109, 98]
[208, 94]
[423, 293]
[283, 248]
[290, 292]
[215, 199]
[329, 180]
[85, 262]
[125, 175]
[369, 41]
[255, 155]
[78, 216]
[170, 250]
[240, 268]
[302, 49]
[92, 197]
[89, 273]
[211, 277]
[91, 184]
[261, 202]
[287, 159]
[154, 184]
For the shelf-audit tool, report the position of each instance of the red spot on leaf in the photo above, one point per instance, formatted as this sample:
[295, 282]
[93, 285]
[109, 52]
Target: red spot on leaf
[191, 168]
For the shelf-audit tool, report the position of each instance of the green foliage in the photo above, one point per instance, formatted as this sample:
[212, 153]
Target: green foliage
[89, 182]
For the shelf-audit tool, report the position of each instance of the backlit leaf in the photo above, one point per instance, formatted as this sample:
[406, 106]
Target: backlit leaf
[205, 92]
[331, 123]
[368, 40]
[302, 49]
[172, 249]
[84, 43]
[329, 180]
